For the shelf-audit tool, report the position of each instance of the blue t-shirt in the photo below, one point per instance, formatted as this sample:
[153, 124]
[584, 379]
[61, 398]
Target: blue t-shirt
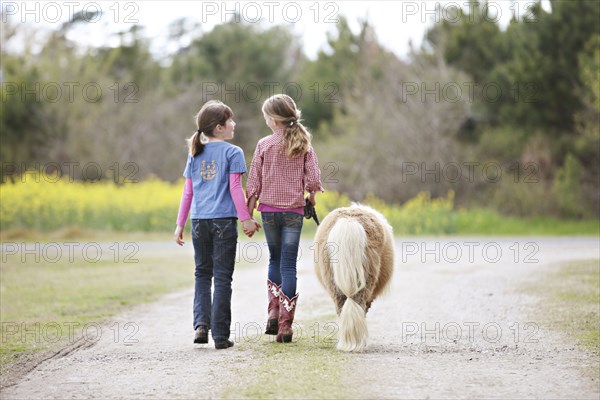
[209, 172]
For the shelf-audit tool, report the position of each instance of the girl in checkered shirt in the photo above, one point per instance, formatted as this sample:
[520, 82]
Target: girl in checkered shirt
[283, 168]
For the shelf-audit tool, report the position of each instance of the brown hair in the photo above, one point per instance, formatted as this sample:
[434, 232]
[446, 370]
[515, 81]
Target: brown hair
[211, 114]
[296, 138]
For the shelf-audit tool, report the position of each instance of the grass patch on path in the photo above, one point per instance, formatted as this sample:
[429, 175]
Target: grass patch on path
[308, 368]
[578, 296]
[571, 302]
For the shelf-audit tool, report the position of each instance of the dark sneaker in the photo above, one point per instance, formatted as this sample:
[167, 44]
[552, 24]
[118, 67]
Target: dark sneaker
[223, 343]
[201, 335]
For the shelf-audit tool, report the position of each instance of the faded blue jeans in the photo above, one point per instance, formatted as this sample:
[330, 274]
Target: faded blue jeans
[282, 230]
[215, 242]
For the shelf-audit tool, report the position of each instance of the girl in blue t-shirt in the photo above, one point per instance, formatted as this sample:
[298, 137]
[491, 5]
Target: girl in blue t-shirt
[213, 192]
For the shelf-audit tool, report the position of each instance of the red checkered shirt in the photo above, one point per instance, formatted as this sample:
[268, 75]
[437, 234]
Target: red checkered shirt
[279, 181]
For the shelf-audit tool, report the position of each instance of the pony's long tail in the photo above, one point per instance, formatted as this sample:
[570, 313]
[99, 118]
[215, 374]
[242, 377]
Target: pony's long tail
[347, 256]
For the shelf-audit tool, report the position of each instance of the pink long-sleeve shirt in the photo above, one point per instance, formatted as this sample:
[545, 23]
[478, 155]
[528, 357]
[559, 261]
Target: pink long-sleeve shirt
[235, 189]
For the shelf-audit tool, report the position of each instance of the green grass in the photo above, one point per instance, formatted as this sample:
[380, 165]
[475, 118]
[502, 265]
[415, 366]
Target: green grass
[40, 301]
[571, 302]
[487, 222]
[308, 368]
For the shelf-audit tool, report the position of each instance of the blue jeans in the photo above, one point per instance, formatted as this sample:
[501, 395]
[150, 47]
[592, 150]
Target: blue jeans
[282, 230]
[215, 242]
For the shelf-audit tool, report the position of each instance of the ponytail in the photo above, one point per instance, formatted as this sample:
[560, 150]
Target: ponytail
[296, 139]
[196, 143]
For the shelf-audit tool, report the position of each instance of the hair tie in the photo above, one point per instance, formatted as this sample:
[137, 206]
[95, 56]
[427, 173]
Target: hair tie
[292, 123]
[199, 132]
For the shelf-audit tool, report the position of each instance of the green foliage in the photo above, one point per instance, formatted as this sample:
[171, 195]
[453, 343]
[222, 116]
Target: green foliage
[545, 68]
[547, 97]
[420, 215]
[337, 72]
[474, 44]
[19, 127]
[567, 187]
[424, 215]
[238, 53]
[145, 105]
[586, 144]
[353, 97]
[241, 64]
[151, 206]
[504, 143]
[524, 199]
[589, 62]
[535, 92]
[21, 131]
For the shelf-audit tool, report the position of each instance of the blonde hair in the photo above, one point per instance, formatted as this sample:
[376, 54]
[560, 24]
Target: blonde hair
[296, 138]
[211, 114]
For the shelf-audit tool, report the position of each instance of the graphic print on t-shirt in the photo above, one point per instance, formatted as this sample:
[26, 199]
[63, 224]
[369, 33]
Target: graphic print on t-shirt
[208, 172]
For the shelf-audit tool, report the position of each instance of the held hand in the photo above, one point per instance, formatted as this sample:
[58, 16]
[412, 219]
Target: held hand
[250, 226]
[178, 235]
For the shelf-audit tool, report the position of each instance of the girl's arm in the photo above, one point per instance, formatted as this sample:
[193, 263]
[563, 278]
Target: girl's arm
[184, 210]
[237, 194]
[251, 205]
[186, 202]
[254, 184]
[313, 175]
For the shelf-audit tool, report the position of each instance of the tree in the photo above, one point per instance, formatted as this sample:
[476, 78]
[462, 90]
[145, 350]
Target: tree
[533, 65]
[544, 66]
[241, 64]
[388, 139]
[469, 40]
[567, 187]
[586, 146]
[337, 71]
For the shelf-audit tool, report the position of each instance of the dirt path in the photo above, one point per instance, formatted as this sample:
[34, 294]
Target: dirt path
[455, 324]
[468, 330]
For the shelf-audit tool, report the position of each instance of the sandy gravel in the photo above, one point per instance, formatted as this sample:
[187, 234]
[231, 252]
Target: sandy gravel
[468, 330]
[450, 327]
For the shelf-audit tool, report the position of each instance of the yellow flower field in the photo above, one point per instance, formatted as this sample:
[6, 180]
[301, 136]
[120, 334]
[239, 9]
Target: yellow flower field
[151, 205]
[47, 205]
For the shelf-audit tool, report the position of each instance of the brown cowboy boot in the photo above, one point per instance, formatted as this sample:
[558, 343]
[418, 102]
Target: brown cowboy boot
[273, 309]
[287, 309]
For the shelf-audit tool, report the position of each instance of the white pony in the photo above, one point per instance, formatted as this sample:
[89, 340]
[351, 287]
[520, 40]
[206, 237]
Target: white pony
[354, 262]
